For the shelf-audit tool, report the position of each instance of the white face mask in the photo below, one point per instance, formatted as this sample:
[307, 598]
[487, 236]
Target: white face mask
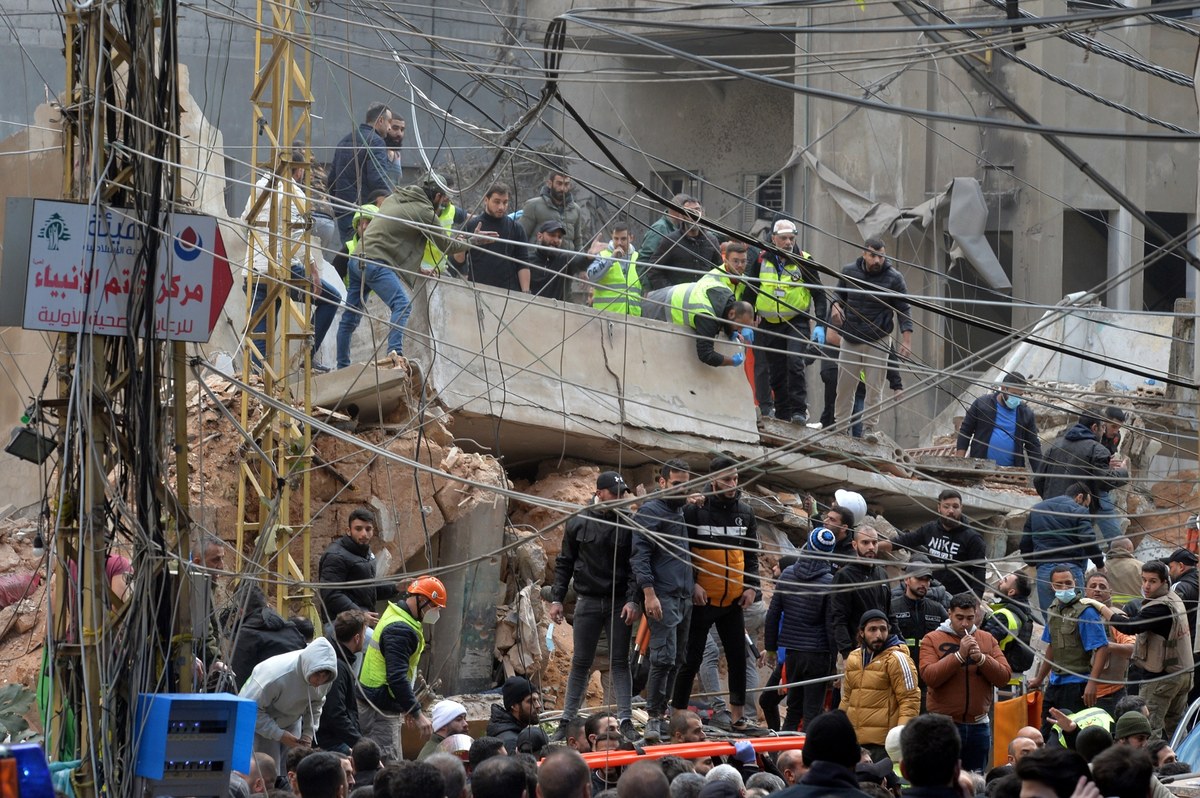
[431, 617]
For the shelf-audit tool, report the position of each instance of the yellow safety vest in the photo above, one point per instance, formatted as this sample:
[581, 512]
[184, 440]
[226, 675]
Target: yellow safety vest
[619, 289]
[689, 300]
[1092, 716]
[434, 260]
[374, 666]
[781, 293]
[726, 279]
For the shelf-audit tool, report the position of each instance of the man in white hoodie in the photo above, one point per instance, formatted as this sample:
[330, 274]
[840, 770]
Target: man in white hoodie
[290, 692]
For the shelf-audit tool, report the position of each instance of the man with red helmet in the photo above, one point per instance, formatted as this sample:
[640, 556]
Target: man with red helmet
[390, 662]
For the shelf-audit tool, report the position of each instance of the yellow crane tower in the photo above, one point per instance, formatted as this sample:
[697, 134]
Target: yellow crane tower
[273, 483]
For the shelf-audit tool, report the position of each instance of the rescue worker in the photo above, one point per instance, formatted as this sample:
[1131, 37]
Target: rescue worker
[1011, 623]
[614, 272]
[1077, 651]
[434, 260]
[708, 308]
[792, 305]
[732, 271]
[1163, 648]
[389, 665]
[723, 540]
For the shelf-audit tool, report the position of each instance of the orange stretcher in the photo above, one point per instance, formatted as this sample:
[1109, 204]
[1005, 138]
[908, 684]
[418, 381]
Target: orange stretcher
[616, 758]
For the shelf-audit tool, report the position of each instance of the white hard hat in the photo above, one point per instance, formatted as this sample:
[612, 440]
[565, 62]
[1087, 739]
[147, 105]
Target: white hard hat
[854, 502]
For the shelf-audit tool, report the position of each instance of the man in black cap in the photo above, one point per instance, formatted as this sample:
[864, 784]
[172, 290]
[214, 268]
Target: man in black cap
[830, 753]
[1000, 426]
[519, 707]
[1184, 581]
[879, 690]
[1182, 567]
[596, 551]
[552, 267]
[915, 613]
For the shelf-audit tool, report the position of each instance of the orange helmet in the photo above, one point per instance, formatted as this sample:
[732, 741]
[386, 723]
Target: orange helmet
[431, 588]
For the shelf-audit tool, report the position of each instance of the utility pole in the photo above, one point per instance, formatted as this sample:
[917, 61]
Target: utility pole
[274, 499]
[121, 402]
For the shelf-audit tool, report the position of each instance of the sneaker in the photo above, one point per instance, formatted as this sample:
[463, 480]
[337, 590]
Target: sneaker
[746, 727]
[722, 720]
[560, 734]
[799, 418]
[319, 368]
[653, 730]
[629, 732]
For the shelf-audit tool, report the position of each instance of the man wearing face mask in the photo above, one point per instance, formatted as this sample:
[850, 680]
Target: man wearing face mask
[390, 663]
[1001, 427]
[1077, 653]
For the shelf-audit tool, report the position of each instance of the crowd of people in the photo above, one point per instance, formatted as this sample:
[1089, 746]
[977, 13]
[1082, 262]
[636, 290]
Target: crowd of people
[890, 677]
[373, 234]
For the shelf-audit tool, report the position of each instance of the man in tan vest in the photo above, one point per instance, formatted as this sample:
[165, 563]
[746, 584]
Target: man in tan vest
[1124, 571]
[1163, 648]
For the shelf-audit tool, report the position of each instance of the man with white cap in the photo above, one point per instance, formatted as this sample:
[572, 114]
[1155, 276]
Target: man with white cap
[848, 511]
[791, 303]
[597, 549]
[447, 718]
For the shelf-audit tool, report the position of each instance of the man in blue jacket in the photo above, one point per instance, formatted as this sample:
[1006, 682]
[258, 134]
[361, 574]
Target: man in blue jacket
[799, 622]
[359, 170]
[1059, 532]
[1000, 426]
[664, 575]
[870, 293]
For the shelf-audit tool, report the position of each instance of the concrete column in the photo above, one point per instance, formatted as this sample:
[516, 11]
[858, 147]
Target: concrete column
[461, 650]
[1120, 257]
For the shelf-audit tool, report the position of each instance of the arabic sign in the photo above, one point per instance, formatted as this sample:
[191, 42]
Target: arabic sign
[82, 262]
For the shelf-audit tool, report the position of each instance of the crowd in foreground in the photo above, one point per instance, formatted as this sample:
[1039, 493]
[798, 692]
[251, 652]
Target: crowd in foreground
[924, 761]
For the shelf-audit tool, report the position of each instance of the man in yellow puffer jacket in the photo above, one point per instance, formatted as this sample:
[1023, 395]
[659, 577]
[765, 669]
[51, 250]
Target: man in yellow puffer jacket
[723, 539]
[879, 689]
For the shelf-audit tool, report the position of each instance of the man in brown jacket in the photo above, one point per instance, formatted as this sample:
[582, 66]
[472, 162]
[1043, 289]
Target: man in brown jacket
[960, 664]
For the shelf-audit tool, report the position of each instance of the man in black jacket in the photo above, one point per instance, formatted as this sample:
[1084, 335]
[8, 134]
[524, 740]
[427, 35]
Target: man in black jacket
[831, 751]
[858, 586]
[869, 294]
[519, 708]
[958, 550]
[349, 559]
[683, 257]
[596, 550]
[916, 615]
[501, 257]
[359, 170]
[723, 540]
[930, 750]
[1000, 426]
[552, 269]
[1079, 456]
[260, 634]
[338, 730]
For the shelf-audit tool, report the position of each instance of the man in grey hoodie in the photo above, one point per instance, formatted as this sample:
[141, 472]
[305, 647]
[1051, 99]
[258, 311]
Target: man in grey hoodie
[290, 692]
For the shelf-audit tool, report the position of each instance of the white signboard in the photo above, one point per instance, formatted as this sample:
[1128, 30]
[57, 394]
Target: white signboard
[82, 262]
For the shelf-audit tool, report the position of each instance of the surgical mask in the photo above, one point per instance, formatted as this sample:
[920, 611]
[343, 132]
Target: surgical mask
[1012, 402]
[1065, 596]
[431, 617]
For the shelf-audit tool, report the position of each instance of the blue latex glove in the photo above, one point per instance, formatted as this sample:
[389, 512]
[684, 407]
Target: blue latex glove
[739, 359]
[748, 335]
[819, 335]
[743, 751]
